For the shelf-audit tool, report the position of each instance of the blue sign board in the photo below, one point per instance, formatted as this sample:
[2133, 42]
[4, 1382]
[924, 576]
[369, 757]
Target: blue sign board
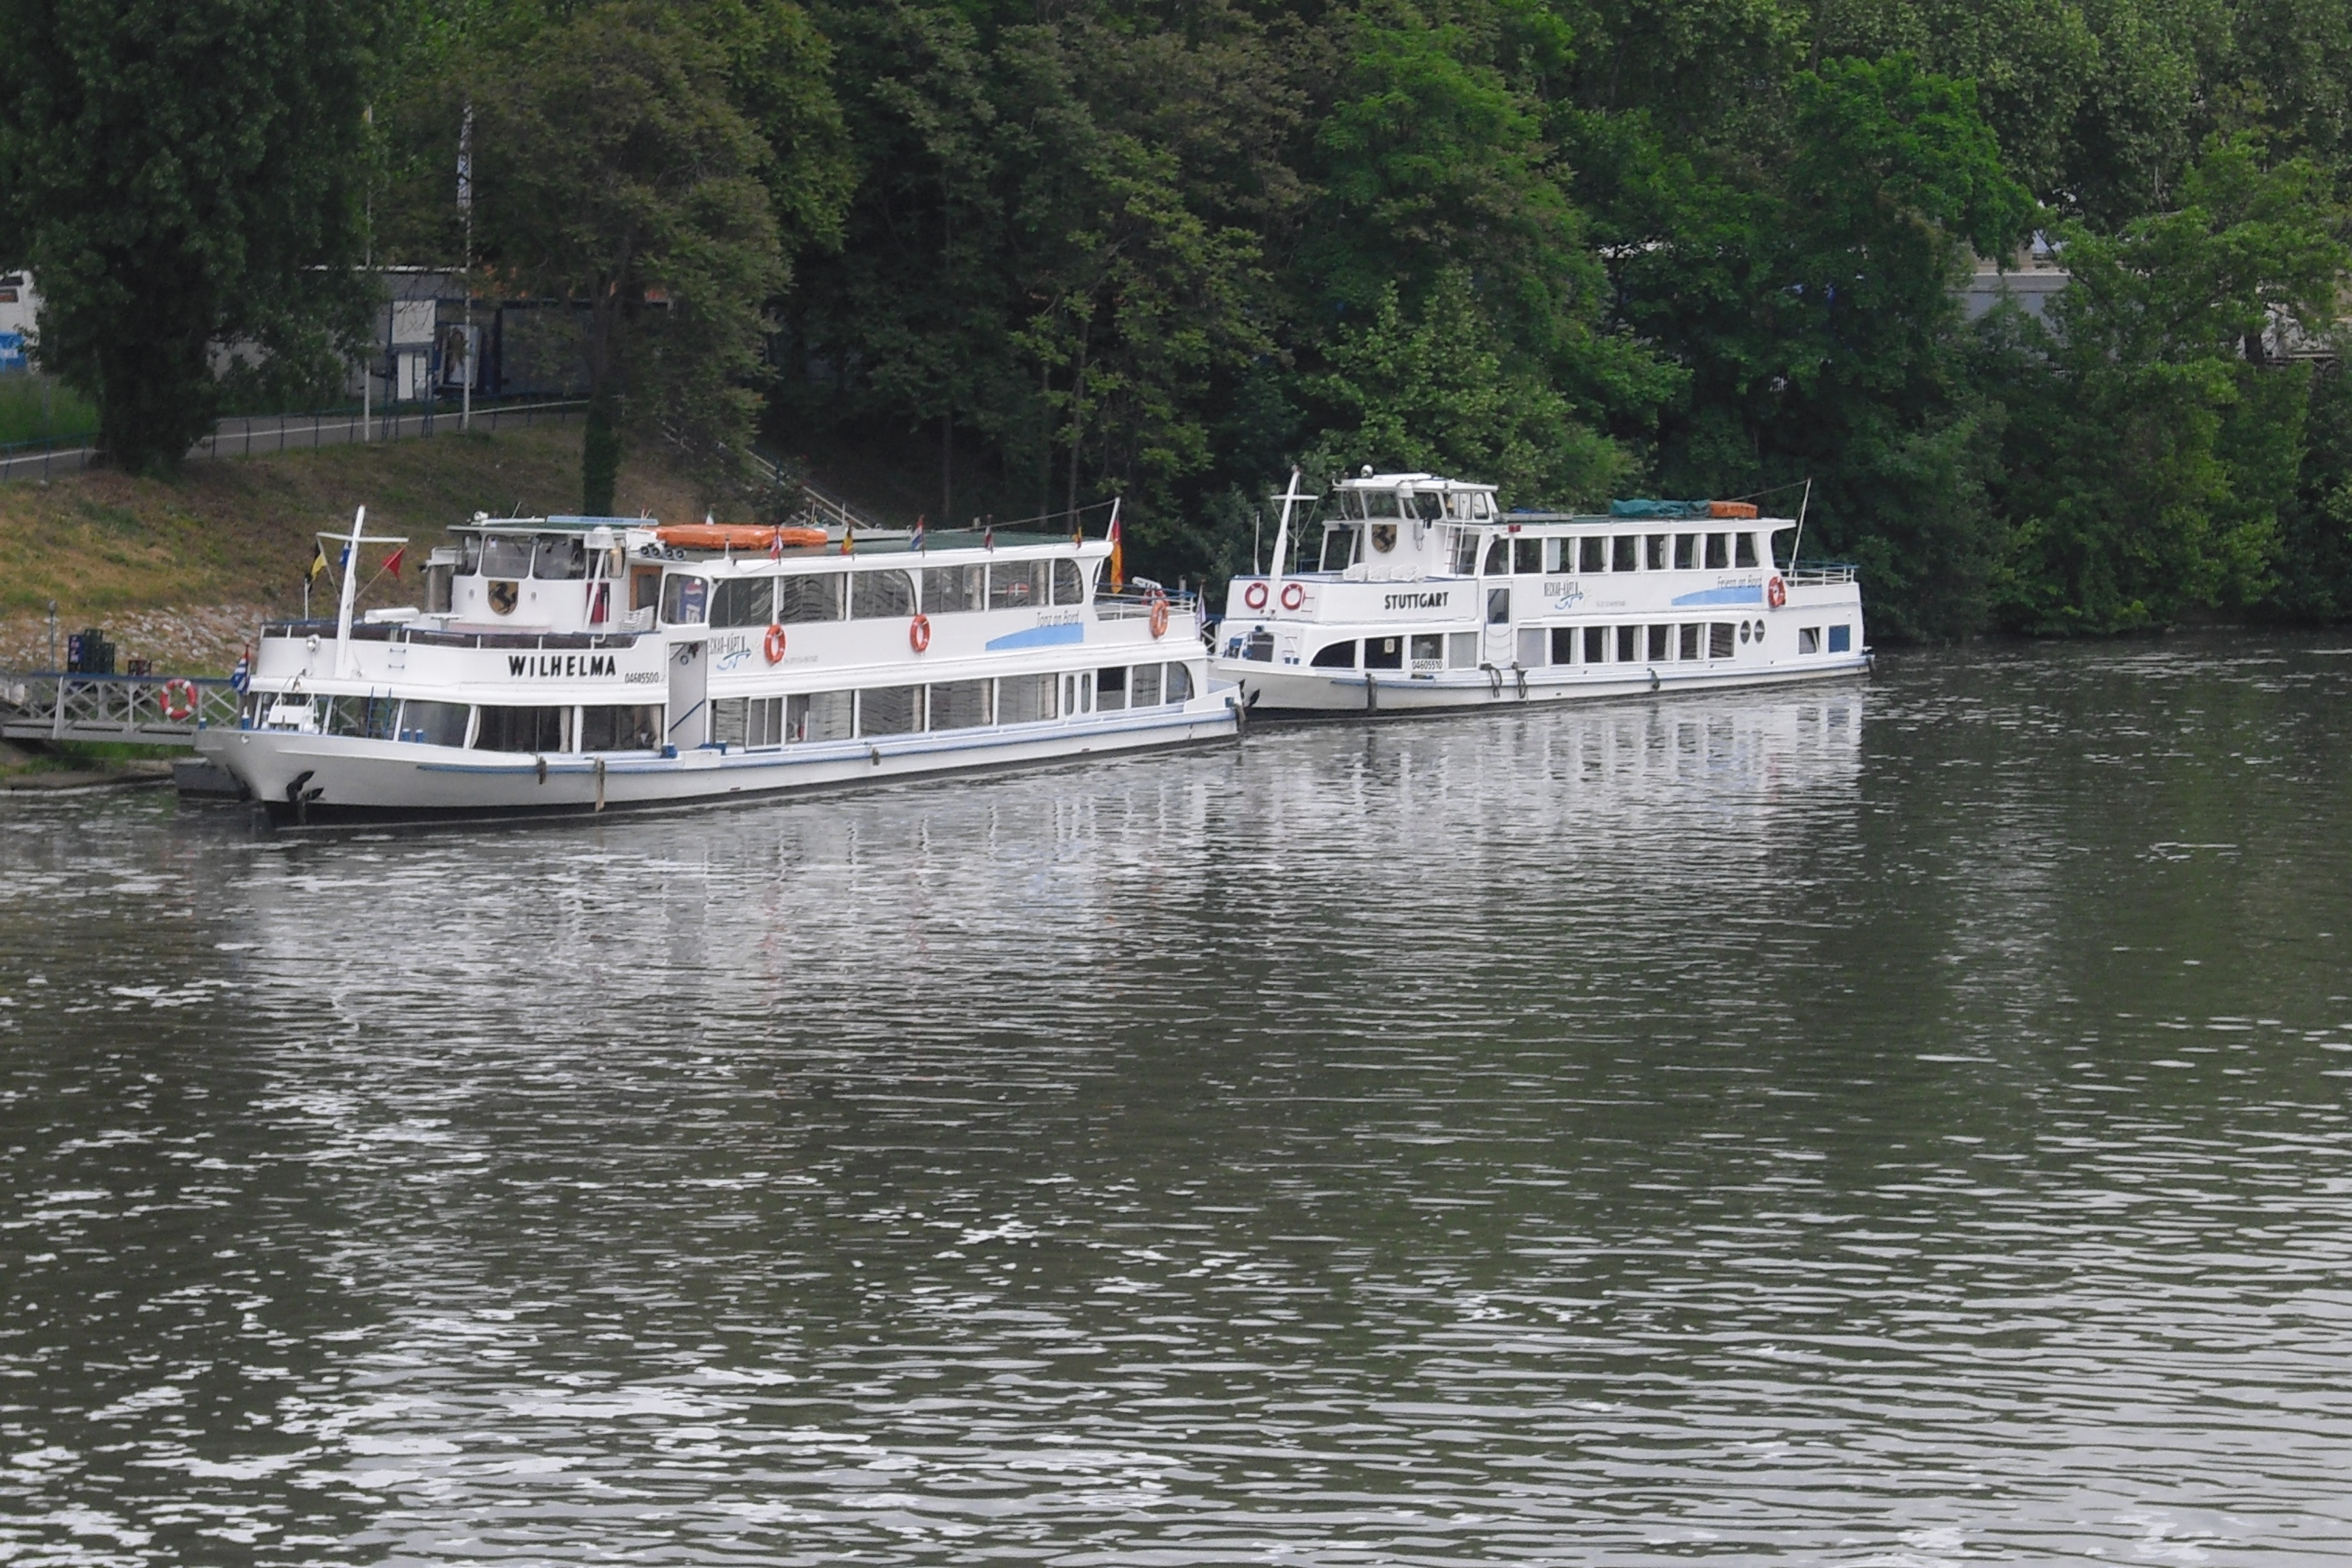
[12, 351]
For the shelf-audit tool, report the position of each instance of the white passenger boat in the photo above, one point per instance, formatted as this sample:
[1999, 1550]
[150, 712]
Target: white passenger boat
[1414, 593]
[576, 664]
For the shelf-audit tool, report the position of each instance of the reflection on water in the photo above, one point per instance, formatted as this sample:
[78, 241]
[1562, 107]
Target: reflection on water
[1893, 1124]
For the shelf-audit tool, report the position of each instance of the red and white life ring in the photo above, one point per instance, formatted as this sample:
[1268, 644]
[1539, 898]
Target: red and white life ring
[773, 645]
[1159, 615]
[1292, 595]
[178, 699]
[919, 632]
[1776, 593]
[1254, 596]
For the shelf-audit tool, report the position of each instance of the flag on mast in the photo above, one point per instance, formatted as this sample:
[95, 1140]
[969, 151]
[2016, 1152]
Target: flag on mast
[391, 561]
[915, 540]
[1117, 548]
[318, 561]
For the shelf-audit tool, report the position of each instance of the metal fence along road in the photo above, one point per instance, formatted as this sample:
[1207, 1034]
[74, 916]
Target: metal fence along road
[245, 436]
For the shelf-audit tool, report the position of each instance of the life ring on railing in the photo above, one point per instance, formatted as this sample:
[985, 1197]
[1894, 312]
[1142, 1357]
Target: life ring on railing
[1159, 615]
[1254, 596]
[773, 645]
[1292, 595]
[1776, 593]
[919, 632]
[178, 699]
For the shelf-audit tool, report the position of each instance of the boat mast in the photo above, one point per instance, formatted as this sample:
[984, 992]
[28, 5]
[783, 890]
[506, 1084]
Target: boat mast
[1282, 544]
[350, 592]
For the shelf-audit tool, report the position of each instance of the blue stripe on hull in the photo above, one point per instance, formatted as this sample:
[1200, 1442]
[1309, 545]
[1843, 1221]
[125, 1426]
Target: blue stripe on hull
[1751, 595]
[1039, 636]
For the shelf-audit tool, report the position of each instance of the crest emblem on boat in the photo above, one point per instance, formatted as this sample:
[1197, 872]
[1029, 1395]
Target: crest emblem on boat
[503, 596]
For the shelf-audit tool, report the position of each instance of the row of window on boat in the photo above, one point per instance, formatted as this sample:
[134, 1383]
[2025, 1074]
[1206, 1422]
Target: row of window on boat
[1346, 545]
[871, 594]
[1537, 647]
[746, 722]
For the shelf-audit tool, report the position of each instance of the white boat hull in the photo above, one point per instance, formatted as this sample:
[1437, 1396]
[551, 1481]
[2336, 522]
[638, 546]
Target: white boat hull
[317, 780]
[1300, 691]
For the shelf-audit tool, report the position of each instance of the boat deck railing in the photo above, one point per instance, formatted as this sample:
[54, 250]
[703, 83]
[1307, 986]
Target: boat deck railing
[135, 709]
[1822, 574]
[1134, 606]
[431, 636]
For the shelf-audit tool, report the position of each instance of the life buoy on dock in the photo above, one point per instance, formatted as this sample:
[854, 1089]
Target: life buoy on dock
[1776, 593]
[919, 632]
[773, 645]
[1254, 596]
[178, 699]
[1292, 595]
[1159, 615]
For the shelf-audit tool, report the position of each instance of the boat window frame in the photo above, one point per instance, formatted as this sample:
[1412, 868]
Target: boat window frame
[674, 599]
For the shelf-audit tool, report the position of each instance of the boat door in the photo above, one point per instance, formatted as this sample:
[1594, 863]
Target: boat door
[1500, 651]
[689, 690]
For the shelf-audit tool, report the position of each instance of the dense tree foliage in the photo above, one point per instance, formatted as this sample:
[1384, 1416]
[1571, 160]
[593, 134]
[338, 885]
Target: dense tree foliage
[185, 177]
[1024, 255]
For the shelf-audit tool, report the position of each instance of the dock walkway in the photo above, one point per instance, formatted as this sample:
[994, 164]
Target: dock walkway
[132, 710]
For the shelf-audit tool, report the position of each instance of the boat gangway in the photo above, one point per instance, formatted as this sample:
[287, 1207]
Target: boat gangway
[125, 710]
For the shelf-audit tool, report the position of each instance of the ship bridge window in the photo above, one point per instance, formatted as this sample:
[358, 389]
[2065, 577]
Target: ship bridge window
[470, 555]
[435, 723]
[536, 729]
[1334, 656]
[890, 710]
[1464, 552]
[1685, 552]
[744, 602]
[1428, 505]
[1339, 546]
[1719, 552]
[367, 718]
[805, 597]
[1017, 585]
[1527, 556]
[1744, 550]
[1621, 550]
[558, 557]
[616, 726]
[960, 704]
[880, 595]
[505, 554]
[685, 597]
[947, 589]
[1591, 552]
[1069, 586]
[1498, 556]
[1384, 503]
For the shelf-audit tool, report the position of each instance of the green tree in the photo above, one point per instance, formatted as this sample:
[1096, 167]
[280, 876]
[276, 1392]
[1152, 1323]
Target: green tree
[615, 167]
[2155, 460]
[1434, 392]
[186, 178]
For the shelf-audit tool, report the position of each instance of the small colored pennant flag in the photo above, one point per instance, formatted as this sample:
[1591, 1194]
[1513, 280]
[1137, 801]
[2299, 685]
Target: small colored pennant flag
[391, 561]
[318, 561]
[1118, 550]
[915, 540]
[241, 677]
[988, 536]
[849, 538]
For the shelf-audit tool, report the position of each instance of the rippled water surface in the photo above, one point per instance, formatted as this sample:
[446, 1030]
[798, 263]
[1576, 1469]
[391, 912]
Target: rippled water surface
[1892, 1123]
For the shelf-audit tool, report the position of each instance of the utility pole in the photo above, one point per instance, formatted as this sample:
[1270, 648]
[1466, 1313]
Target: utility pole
[367, 361]
[465, 204]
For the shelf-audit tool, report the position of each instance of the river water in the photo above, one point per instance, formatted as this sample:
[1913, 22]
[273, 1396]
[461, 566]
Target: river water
[1901, 1122]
